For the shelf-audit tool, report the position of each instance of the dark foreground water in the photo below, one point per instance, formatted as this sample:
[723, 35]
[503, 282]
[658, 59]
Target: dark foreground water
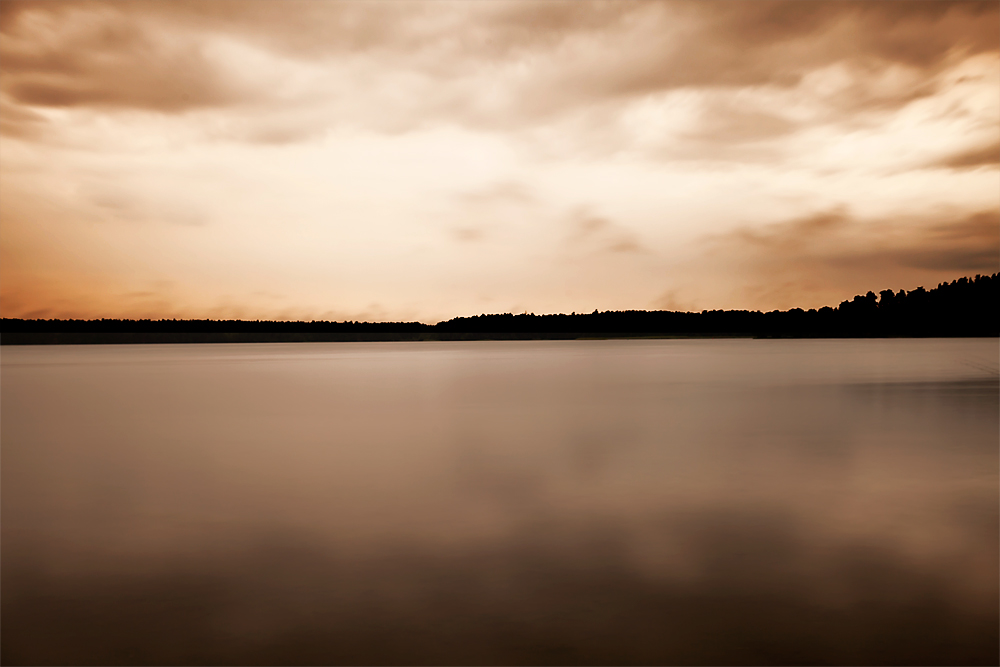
[587, 502]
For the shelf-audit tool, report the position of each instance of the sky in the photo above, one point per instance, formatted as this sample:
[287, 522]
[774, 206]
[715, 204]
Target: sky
[387, 161]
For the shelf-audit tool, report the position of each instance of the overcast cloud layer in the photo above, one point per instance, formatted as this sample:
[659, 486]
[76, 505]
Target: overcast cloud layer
[397, 160]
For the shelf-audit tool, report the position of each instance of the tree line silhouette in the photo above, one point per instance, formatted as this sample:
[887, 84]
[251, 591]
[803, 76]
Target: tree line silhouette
[963, 307]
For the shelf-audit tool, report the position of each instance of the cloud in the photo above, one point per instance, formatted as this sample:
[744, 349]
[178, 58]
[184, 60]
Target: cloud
[127, 204]
[596, 233]
[759, 37]
[484, 212]
[972, 158]
[490, 65]
[813, 259]
[504, 192]
[66, 56]
[19, 121]
[729, 123]
[967, 245]
[665, 46]
[671, 300]
[467, 234]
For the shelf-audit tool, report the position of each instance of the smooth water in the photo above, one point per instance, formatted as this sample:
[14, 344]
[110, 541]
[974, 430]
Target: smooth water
[528, 502]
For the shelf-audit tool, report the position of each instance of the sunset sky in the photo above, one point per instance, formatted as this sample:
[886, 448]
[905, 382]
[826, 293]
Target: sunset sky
[385, 160]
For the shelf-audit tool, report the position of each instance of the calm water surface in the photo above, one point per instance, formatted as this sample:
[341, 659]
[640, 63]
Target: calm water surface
[585, 502]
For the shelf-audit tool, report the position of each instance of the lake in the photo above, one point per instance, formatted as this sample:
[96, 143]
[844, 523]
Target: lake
[519, 502]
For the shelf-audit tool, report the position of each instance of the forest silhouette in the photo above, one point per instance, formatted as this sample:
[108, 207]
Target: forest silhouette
[963, 307]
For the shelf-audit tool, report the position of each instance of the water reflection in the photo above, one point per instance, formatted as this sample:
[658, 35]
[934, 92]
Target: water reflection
[604, 502]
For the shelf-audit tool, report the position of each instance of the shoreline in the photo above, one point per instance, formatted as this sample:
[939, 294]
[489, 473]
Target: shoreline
[147, 338]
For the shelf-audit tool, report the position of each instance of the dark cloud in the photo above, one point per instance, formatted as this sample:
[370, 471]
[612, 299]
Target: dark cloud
[733, 44]
[968, 245]
[970, 260]
[729, 33]
[61, 55]
[539, 59]
[973, 158]
[488, 31]
[892, 31]
[796, 234]
[729, 123]
[805, 260]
